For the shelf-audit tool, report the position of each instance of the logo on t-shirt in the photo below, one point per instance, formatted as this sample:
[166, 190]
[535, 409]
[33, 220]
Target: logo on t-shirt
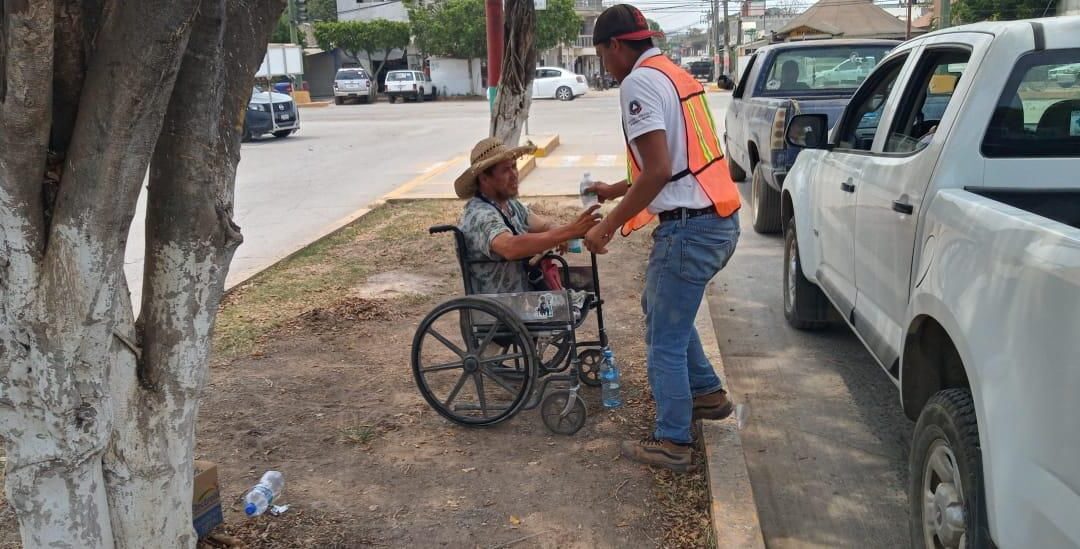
[635, 108]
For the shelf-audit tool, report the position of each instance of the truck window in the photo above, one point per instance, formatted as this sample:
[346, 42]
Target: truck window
[863, 114]
[1038, 114]
[745, 77]
[929, 92]
[821, 69]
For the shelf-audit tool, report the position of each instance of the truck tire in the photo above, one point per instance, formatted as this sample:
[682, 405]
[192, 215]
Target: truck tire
[805, 306]
[339, 100]
[764, 204]
[945, 469]
[737, 173]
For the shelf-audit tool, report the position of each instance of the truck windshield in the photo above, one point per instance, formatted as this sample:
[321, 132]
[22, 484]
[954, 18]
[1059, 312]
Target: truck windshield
[355, 74]
[826, 68]
[399, 76]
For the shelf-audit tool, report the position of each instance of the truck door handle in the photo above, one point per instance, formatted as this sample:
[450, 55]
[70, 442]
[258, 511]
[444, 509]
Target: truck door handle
[847, 187]
[902, 207]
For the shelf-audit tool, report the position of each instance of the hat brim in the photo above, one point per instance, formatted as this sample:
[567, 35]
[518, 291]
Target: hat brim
[466, 183]
[638, 35]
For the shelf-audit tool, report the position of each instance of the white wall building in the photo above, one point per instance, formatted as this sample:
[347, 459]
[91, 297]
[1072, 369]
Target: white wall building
[452, 76]
[366, 10]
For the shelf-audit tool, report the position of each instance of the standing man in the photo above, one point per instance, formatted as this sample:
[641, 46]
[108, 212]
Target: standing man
[675, 172]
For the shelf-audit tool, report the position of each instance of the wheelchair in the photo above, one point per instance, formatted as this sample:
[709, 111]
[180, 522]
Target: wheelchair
[480, 359]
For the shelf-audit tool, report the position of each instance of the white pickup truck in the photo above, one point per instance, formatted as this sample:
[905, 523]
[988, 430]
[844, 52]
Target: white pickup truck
[941, 220]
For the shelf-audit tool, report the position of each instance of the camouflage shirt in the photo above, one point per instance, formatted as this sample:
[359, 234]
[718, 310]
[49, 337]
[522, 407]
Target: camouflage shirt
[481, 223]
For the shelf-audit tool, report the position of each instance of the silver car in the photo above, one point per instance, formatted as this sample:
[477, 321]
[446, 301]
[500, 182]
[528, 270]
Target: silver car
[354, 83]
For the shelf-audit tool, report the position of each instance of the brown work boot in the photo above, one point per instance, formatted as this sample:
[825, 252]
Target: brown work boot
[714, 405]
[661, 453]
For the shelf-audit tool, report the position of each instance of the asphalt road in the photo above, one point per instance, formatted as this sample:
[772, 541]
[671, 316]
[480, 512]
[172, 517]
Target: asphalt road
[826, 443]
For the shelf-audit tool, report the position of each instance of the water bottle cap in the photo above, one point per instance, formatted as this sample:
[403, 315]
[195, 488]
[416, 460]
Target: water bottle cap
[607, 352]
[250, 509]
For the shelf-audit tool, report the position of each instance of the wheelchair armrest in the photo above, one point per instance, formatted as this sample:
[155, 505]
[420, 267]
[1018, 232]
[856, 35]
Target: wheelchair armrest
[443, 229]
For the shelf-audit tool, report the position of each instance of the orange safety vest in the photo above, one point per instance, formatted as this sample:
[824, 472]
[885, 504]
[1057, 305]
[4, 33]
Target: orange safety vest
[702, 146]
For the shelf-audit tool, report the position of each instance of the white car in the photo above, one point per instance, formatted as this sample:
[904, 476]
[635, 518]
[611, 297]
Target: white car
[414, 85]
[352, 83]
[556, 83]
[1066, 75]
[948, 238]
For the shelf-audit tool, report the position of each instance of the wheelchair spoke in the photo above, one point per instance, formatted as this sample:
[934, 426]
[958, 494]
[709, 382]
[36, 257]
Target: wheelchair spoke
[457, 389]
[499, 381]
[498, 359]
[442, 367]
[479, 380]
[457, 350]
[487, 339]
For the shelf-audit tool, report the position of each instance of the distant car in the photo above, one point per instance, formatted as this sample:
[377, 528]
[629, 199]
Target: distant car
[270, 112]
[413, 85]
[848, 73]
[1066, 75]
[352, 83]
[556, 83]
[701, 70]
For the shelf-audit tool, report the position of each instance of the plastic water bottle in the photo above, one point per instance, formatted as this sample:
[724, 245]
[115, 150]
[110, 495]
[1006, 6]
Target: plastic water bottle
[588, 198]
[263, 494]
[609, 379]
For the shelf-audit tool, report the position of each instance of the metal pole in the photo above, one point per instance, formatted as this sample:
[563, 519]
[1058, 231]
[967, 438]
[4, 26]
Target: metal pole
[292, 22]
[727, 42]
[494, 11]
[907, 33]
[715, 24]
[946, 15]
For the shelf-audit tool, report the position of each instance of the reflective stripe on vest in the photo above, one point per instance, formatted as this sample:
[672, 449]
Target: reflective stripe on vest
[703, 153]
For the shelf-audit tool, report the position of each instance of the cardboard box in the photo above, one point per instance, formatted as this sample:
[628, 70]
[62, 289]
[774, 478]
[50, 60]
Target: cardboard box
[206, 498]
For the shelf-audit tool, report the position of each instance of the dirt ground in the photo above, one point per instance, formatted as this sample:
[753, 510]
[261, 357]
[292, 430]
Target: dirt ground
[312, 377]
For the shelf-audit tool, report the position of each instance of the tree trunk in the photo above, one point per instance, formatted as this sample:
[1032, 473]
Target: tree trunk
[97, 411]
[472, 89]
[518, 67]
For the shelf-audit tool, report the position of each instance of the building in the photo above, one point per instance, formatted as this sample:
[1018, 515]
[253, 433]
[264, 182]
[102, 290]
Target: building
[580, 56]
[843, 19]
[367, 10]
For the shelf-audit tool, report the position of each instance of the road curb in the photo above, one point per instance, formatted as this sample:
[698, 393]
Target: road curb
[734, 513]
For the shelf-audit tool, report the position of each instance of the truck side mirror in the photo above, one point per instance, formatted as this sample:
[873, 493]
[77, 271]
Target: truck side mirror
[808, 131]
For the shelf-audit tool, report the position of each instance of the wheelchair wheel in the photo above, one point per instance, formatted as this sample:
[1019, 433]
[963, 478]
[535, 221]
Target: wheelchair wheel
[562, 416]
[552, 353]
[589, 367]
[474, 361]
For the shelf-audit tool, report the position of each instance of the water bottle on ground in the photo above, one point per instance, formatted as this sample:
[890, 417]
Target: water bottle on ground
[609, 379]
[588, 198]
[260, 497]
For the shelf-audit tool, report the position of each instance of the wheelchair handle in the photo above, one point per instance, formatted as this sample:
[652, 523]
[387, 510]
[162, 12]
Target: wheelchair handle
[442, 229]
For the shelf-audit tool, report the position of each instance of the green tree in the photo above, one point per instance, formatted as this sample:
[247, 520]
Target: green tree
[661, 42]
[374, 38]
[454, 28]
[322, 10]
[971, 11]
[281, 33]
[557, 24]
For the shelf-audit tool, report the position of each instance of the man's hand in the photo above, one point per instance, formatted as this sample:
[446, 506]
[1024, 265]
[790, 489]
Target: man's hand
[605, 192]
[584, 222]
[598, 237]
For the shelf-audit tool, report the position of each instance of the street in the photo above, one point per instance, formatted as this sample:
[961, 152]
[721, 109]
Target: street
[826, 444]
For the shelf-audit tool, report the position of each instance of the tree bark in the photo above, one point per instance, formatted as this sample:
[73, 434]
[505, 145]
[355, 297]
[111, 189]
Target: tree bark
[97, 412]
[514, 95]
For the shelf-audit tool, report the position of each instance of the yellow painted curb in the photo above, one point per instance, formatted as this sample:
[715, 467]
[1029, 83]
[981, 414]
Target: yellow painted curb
[301, 97]
[314, 104]
[525, 165]
[544, 144]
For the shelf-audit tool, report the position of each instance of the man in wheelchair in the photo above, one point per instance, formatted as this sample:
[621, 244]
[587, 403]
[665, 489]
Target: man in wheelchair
[500, 230]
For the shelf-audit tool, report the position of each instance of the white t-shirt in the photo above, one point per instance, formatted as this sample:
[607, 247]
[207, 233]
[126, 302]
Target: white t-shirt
[650, 102]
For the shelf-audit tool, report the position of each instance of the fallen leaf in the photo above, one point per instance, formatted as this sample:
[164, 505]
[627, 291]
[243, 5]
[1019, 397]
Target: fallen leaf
[468, 469]
[534, 463]
[514, 520]
[373, 508]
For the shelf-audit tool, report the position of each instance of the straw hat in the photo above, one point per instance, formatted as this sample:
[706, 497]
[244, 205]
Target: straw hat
[486, 154]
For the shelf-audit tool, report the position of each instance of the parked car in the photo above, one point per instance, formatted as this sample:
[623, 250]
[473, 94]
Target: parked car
[352, 83]
[1066, 75]
[701, 70]
[765, 100]
[950, 244]
[270, 112]
[561, 84]
[413, 85]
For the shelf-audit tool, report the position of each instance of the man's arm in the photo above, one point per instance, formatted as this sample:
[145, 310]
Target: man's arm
[656, 173]
[539, 223]
[511, 247]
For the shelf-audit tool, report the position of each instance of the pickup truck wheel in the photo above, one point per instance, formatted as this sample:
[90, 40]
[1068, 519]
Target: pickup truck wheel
[339, 100]
[765, 204]
[947, 497]
[737, 173]
[420, 96]
[805, 306]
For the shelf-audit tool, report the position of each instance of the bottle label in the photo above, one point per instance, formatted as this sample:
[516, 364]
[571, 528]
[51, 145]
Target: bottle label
[268, 493]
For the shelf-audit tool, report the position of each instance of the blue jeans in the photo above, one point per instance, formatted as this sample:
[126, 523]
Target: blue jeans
[686, 255]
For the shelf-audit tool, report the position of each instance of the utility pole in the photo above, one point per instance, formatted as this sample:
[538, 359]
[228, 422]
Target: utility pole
[907, 33]
[293, 37]
[715, 24]
[727, 42]
[494, 11]
[945, 15]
